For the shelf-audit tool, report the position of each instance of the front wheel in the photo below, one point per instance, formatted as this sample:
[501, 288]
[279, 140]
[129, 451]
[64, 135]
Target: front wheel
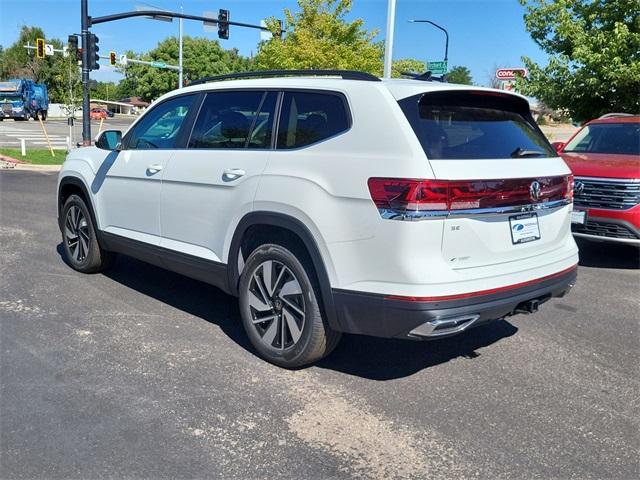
[279, 305]
[81, 247]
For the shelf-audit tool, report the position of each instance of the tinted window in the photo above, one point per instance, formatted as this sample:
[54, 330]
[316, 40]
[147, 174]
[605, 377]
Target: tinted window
[613, 138]
[475, 126]
[160, 127]
[237, 119]
[308, 117]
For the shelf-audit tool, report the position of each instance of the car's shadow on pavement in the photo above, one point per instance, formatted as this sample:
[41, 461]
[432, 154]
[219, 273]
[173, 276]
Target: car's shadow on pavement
[387, 359]
[367, 357]
[608, 255]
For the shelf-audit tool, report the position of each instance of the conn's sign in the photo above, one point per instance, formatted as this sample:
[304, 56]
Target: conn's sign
[511, 73]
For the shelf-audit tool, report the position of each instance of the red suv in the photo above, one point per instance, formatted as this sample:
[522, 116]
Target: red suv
[604, 156]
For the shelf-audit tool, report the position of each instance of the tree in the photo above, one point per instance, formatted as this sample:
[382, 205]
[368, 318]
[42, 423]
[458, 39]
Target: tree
[318, 36]
[594, 48]
[461, 75]
[22, 63]
[407, 65]
[105, 91]
[201, 57]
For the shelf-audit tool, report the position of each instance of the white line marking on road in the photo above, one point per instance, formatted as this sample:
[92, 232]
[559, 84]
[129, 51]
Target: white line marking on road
[32, 136]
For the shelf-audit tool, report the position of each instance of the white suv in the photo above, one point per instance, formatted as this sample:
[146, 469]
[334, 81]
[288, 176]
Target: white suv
[332, 202]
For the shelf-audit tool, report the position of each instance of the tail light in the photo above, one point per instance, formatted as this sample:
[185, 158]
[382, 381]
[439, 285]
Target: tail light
[421, 198]
[569, 188]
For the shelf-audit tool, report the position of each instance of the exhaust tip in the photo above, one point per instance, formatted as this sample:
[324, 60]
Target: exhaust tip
[444, 326]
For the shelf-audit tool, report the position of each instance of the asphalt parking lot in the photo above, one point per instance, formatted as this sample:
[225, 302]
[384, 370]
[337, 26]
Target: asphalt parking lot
[141, 373]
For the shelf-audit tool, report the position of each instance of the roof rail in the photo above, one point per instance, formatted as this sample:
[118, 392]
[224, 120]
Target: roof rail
[344, 74]
[614, 115]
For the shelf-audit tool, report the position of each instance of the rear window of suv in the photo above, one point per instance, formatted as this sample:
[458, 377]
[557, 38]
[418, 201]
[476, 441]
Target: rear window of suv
[475, 125]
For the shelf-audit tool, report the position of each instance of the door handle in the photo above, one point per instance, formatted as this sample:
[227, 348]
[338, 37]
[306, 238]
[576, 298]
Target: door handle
[155, 168]
[231, 174]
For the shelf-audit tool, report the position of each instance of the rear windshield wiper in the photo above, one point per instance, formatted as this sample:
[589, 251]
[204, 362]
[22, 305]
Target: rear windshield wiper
[521, 152]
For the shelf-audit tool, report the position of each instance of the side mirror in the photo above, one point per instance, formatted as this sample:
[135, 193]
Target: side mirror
[558, 146]
[109, 140]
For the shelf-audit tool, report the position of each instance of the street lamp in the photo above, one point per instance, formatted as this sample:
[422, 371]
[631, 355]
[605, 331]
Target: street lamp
[446, 47]
[388, 41]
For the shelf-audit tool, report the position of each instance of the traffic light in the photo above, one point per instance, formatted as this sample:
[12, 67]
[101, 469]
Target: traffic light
[223, 25]
[93, 49]
[40, 47]
[278, 32]
[112, 59]
[72, 41]
[74, 51]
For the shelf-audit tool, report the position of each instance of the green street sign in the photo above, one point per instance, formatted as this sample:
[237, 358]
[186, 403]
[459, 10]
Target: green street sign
[158, 64]
[437, 68]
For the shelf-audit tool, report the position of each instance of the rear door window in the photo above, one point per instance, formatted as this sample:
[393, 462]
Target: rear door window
[310, 117]
[470, 125]
[235, 119]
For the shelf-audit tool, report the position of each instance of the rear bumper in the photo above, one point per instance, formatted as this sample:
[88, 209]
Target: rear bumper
[383, 316]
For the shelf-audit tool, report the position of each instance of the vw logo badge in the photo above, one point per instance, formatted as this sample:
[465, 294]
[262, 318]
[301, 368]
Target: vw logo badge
[578, 188]
[534, 190]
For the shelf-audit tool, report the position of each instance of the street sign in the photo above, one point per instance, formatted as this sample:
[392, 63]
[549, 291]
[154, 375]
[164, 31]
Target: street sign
[158, 64]
[210, 26]
[48, 49]
[437, 68]
[265, 35]
[65, 51]
[511, 73]
[123, 60]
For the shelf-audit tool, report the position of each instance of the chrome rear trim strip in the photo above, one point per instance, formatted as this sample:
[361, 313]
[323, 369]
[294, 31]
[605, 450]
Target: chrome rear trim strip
[473, 212]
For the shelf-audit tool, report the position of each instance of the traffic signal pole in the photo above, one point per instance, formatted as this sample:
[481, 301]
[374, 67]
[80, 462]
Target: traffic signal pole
[87, 22]
[86, 121]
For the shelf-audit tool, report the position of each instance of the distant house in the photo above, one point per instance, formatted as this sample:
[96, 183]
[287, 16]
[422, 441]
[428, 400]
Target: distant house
[136, 102]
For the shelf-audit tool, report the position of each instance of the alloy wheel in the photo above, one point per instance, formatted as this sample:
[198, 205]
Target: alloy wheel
[277, 306]
[76, 234]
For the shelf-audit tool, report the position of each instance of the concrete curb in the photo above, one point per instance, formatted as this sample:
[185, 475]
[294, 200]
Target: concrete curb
[37, 168]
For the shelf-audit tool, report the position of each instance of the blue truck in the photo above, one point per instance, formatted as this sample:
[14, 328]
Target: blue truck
[22, 99]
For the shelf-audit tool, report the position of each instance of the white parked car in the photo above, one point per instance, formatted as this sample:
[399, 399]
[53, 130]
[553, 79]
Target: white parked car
[332, 202]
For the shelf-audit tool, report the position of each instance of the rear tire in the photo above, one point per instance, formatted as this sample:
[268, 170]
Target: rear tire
[82, 250]
[280, 308]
